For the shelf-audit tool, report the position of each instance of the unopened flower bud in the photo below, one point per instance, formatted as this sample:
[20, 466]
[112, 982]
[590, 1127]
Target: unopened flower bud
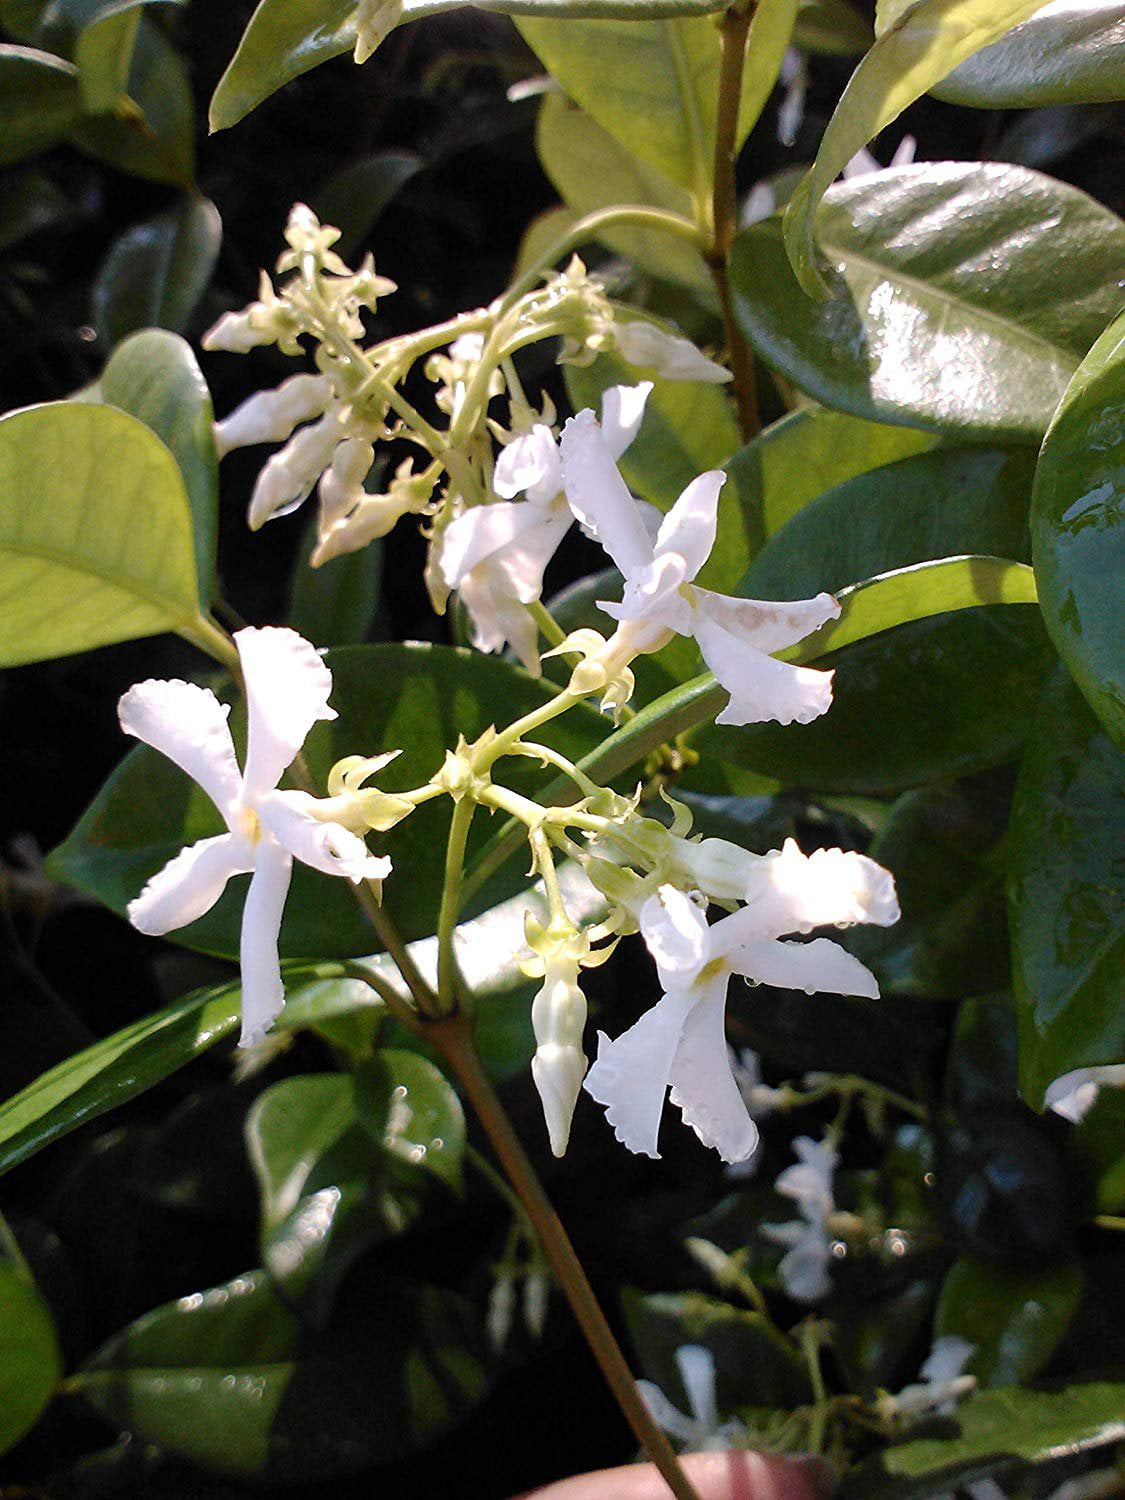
[271, 416]
[288, 477]
[669, 355]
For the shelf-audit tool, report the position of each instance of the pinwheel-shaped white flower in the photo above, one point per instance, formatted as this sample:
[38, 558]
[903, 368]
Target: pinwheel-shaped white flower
[287, 688]
[734, 635]
[681, 1042]
[809, 1182]
[701, 1431]
[496, 555]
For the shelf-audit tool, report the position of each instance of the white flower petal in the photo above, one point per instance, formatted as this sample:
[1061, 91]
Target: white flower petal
[689, 527]
[677, 936]
[787, 891]
[665, 1415]
[668, 354]
[599, 497]
[189, 884]
[1074, 1094]
[623, 409]
[696, 1365]
[703, 1085]
[760, 688]
[188, 724]
[631, 1074]
[498, 618]
[287, 688]
[524, 561]
[767, 624]
[480, 533]
[819, 967]
[325, 846]
[947, 1359]
[529, 464]
[804, 1270]
[263, 994]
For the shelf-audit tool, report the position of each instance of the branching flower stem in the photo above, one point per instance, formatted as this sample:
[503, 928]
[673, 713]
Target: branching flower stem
[734, 30]
[453, 1038]
[459, 825]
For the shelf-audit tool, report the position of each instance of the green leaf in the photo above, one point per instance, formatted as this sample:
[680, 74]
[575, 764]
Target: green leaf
[104, 54]
[156, 272]
[1014, 1319]
[591, 169]
[941, 845]
[286, 38]
[804, 454]
[335, 604]
[1066, 54]
[417, 697]
[354, 198]
[411, 1111]
[1078, 528]
[831, 26]
[39, 101]
[30, 1361]
[150, 132]
[986, 1433]
[916, 50]
[754, 1364]
[1065, 899]
[96, 533]
[228, 1380]
[154, 376]
[344, 1162]
[30, 202]
[982, 1073]
[929, 262]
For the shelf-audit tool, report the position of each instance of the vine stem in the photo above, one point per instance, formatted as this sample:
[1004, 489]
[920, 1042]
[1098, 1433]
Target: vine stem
[453, 1038]
[734, 29]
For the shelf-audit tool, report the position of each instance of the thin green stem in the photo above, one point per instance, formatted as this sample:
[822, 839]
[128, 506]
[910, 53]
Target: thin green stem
[533, 750]
[549, 628]
[590, 227]
[451, 903]
[489, 754]
[397, 1004]
[453, 1038]
[1109, 1221]
[545, 862]
[212, 639]
[733, 31]
[810, 1347]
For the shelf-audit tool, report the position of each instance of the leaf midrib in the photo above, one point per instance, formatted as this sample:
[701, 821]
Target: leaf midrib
[116, 580]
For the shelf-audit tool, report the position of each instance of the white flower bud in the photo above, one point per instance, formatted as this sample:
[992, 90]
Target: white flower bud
[290, 474]
[341, 484]
[669, 355]
[271, 416]
[558, 1018]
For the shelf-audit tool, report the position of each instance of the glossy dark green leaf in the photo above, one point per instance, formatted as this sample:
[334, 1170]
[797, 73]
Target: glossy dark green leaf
[104, 54]
[228, 1380]
[354, 198]
[591, 170]
[286, 38]
[831, 26]
[1100, 1144]
[150, 132]
[1015, 1320]
[331, 1185]
[96, 537]
[1066, 54]
[949, 694]
[418, 697]
[335, 604]
[942, 845]
[411, 1111]
[754, 1364]
[59, 24]
[156, 272]
[154, 376]
[30, 1361]
[986, 1433]
[39, 101]
[983, 1060]
[963, 297]
[1066, 897]
[876, 1338]
[802, 456]
[1078, 528]
[916, 46]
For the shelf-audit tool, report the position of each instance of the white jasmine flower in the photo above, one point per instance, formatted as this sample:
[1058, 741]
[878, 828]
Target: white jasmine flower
[671, 356]
[660, 600]
[863, 163]
[681, 1042]
[701, 1431]
[759, 1098]
[942, 1384]
[287, 689]
[496, 555]
[1073, 1095]
[804, 1267]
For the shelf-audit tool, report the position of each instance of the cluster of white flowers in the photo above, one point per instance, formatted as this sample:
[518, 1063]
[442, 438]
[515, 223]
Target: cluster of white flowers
[804, 1267]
